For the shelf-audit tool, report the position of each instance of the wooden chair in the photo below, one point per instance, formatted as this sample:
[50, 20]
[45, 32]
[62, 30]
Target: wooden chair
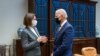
[2, 50]
[77, 55]
[89, 51]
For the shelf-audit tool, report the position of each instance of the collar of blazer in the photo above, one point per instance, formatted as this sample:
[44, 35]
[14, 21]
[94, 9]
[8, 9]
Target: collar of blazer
[31, 34]
[58, 34]
[37, 31]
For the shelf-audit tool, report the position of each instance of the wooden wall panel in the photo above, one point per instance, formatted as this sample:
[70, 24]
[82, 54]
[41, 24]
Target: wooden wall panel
[98, 45]
[78, 44]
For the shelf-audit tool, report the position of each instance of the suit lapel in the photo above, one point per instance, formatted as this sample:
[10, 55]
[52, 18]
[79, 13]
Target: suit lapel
[58, 34]
[37, 31]
[32, 35]
[56, 30]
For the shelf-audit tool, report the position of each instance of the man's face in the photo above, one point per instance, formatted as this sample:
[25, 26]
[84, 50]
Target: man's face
[58, 15]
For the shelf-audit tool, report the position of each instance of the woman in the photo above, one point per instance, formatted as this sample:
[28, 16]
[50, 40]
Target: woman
[30, 37]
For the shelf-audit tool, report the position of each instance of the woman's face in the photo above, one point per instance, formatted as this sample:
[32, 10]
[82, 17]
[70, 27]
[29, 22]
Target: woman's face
[34, 21]
[34, 18]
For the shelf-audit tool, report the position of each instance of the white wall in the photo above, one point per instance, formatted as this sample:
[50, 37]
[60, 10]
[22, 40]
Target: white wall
[11, 17]
[97, 17]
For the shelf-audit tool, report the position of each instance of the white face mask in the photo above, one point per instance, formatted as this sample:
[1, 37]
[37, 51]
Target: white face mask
[34, 22]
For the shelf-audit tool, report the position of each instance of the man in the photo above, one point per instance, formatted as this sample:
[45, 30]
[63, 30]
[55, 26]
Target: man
[64, 35]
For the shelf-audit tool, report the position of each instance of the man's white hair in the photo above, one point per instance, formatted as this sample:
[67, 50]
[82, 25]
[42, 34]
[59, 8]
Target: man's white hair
[64, 13]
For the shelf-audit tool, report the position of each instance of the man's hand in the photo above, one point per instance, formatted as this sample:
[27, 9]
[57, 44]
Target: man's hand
[44, 39]
[51, 54]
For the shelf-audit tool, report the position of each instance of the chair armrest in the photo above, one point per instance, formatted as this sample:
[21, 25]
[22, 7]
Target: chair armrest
[78, 55]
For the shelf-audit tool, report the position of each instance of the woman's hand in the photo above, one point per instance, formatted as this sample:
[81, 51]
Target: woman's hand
[42, 39]
[39, 39]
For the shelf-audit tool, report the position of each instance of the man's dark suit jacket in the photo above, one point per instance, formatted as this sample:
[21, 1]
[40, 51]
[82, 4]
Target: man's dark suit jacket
[63, 41]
